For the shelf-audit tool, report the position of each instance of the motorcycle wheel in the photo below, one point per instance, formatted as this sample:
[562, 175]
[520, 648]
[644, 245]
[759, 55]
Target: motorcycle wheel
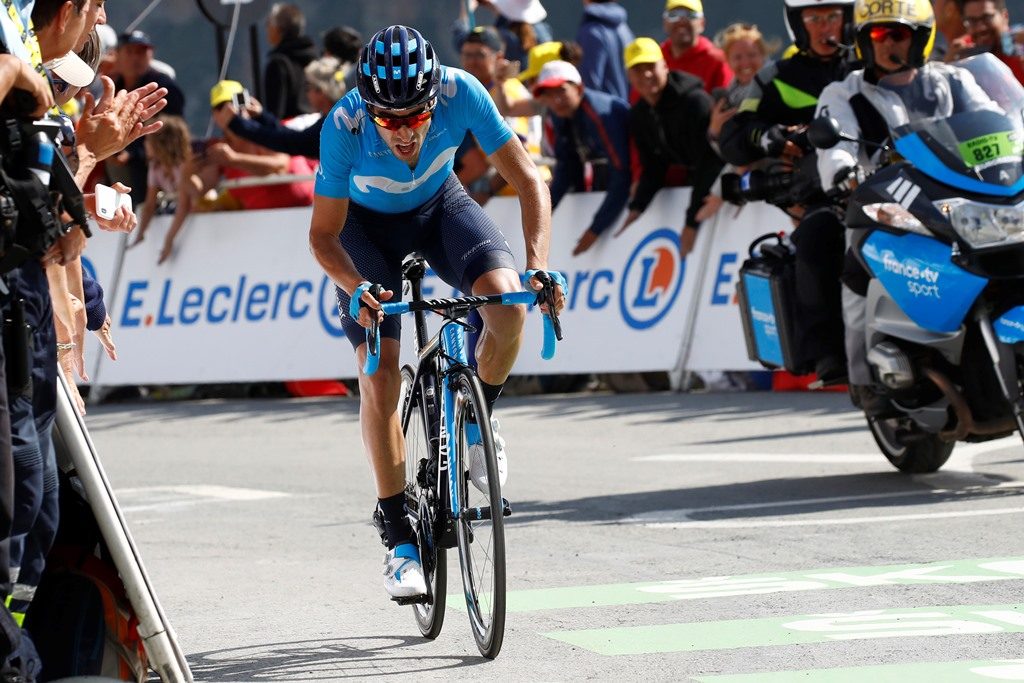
[908, 448]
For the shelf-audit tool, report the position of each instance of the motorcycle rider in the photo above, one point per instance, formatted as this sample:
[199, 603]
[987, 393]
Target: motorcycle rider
[894, 40]
[780, 104]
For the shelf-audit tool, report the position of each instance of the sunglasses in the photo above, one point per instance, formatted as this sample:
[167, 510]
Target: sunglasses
[680, 13]
[394, 123]
[898, 33]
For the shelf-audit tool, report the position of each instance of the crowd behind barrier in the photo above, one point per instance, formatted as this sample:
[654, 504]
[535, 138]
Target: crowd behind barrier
[244, 317]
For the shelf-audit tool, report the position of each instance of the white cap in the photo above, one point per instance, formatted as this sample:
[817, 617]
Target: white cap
[72, 70]
[554, 74]
[108, 37]
[530, 11]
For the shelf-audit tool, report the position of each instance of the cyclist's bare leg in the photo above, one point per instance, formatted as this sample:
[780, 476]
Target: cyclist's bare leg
[379, 419]
[502, 335]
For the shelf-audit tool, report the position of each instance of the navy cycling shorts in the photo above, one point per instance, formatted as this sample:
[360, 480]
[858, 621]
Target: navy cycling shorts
[459, 241]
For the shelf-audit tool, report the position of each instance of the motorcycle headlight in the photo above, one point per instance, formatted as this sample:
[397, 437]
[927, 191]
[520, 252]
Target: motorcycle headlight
[983, 225]
[894, 215]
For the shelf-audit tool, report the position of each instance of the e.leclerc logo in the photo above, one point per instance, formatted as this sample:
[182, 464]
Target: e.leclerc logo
[652, 279]
[243, 300]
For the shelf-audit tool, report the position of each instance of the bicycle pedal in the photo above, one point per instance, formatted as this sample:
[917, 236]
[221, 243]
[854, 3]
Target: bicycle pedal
[413, 600]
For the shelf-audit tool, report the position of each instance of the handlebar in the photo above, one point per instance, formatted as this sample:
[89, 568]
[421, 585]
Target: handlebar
[546, 295]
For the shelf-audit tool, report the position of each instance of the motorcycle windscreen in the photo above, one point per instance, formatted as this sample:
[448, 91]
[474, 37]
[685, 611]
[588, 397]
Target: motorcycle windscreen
[963, 124]
[917, 273]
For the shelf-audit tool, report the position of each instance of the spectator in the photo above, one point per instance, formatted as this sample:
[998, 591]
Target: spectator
[135, 68]
[230, 159]
[988, 27]
[481, 52]
[949, 27]
[520, 23]
[669, 126]
[604, 35]
[589, 129]
[687, 50]
[291, 51]
[538, 57]
[344, 44]
[746, 51]
[324, 88]
[168, 150]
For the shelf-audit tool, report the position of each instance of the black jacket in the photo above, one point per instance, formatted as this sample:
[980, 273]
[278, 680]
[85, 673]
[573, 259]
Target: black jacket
[267, 131]
[674, 131]
[284, 84]
[783, 94]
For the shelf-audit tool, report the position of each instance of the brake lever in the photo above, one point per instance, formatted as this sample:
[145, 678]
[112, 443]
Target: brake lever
[547, 296]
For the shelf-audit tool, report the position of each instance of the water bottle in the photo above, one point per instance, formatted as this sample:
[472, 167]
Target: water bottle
[40, 160]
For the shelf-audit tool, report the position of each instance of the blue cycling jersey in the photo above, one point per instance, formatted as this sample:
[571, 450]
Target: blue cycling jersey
[356, 163]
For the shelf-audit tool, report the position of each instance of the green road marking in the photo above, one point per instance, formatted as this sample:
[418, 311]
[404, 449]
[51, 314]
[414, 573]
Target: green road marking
[933, 672]
[964, 571]
[811, 628]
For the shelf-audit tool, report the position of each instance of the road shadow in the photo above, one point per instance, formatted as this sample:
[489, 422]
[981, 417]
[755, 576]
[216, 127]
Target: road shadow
[322, 660]
[778, 497]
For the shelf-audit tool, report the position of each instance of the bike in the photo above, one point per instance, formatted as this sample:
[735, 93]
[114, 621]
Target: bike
[443, 412]
[940, 229]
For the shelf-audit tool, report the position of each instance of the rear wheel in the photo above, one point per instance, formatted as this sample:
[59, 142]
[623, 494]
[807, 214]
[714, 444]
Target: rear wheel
[481, 523]
[907, 447]
[421, 501]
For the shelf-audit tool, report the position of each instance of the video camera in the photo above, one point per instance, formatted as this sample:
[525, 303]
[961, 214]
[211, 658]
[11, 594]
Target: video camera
[36, 184]
[781, 183]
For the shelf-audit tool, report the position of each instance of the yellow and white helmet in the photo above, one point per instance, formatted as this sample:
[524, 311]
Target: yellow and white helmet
[917, 15]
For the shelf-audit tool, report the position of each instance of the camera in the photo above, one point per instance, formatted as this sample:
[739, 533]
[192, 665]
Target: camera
[781, 184]
[240, 100]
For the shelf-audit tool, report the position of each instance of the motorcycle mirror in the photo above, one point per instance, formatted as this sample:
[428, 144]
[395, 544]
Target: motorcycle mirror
[823, 133]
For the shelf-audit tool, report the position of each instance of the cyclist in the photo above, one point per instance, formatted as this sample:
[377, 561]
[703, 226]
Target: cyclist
[385, 188]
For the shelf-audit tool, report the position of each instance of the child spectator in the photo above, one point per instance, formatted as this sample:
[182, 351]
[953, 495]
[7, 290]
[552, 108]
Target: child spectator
[168, 150]
[234, 158]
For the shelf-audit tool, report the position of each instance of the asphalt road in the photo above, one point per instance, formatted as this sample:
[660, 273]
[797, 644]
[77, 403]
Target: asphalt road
[720, 538]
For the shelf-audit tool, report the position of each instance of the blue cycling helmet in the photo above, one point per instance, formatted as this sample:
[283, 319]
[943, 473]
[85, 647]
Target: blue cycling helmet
[398, 69]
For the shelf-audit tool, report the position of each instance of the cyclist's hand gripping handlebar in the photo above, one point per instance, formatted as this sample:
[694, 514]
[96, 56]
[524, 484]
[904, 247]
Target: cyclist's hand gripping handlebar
[546, 297]
[373, 331]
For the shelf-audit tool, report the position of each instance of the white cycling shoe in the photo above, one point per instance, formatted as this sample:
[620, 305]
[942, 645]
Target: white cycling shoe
[403, 574]
[478, 464]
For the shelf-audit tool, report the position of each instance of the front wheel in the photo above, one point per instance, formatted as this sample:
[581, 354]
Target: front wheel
[481, 522]
[907, 447]
[421, 502]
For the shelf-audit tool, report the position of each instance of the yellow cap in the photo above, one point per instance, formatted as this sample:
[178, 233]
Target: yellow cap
[642, 51]
[538, 56]
[693, 5]
[223, 92]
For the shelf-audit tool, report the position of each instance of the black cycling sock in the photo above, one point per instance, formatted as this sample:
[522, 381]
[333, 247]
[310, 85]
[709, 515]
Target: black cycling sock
[491, 393]
[396, 520]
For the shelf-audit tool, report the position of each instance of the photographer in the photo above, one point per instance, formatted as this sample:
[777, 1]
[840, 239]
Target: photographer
[770, 123]
[49, 233]
[669, 125]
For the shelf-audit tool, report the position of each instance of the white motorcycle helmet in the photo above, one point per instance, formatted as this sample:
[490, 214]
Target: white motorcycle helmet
[795, 22]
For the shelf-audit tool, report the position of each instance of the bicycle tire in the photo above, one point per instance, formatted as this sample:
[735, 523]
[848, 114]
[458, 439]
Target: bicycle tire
[486, 568]
[423, 508]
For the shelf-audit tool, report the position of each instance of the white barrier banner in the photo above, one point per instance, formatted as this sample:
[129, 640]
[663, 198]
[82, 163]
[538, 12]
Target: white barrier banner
[242, 299]
[717, 341]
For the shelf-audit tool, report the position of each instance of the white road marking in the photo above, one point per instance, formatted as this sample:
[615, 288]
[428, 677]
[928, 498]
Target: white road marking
[755, 524]
[957, 477]
[162, 497]
[815, 458]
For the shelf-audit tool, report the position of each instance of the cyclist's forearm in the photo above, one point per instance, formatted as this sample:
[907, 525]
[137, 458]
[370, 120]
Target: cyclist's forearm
[515, 166]
[335, 261]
